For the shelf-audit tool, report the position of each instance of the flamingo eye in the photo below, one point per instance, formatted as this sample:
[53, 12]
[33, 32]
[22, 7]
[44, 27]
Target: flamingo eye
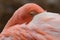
[33, 13]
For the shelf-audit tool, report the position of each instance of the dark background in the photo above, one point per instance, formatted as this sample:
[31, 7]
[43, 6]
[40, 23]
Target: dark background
[7, 8]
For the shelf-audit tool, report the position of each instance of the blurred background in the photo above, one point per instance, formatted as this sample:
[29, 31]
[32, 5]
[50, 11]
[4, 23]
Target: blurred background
[8, 7]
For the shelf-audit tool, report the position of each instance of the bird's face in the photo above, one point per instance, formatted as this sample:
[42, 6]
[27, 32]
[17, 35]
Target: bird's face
[28, 17]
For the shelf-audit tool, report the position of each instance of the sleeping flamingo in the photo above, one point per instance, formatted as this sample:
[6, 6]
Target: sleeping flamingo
[31, 22]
